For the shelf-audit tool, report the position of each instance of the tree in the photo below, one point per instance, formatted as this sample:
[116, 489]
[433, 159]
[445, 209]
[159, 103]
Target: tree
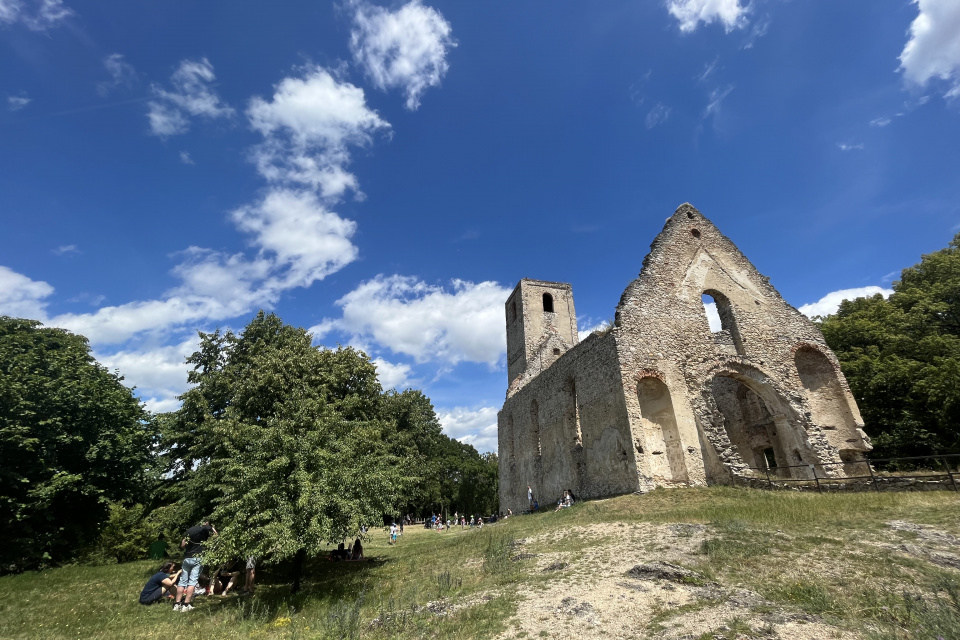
[281, 442]
[72, 439]
[901, 356]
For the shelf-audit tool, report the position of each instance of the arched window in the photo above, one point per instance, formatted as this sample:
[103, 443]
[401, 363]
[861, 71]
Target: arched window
[720, 317]
[547, 303]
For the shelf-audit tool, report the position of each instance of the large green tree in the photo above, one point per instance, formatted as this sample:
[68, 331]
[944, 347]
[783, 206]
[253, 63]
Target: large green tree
[72, 439]
[901, 356]
[283, 444]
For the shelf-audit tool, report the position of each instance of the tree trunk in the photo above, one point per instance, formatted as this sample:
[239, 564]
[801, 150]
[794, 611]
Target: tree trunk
[298, 561]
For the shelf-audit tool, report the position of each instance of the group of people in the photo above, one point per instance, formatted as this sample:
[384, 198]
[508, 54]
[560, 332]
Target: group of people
[566, 501]
[183, 584]
[352, 552]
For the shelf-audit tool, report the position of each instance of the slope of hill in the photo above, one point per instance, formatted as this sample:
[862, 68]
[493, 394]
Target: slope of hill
[685, 563]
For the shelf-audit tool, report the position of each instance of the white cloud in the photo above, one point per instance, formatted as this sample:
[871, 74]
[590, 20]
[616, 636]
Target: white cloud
[881, 121]
[192, 95]
[15, 103]
[185, 158]
[583, 334]
[477, 427]
[426, 322]
[933, 50]
[829, 303]
[708, 69]
[393, 376]
[37, 15]
[308, 125]
[657, 115]
[308, 241]
[716, 99]
[121, 73]
[405, 49]
[21, 297]
[843, 146]
[159, 373]
[690, 13]
[713, 318]
[65, 249]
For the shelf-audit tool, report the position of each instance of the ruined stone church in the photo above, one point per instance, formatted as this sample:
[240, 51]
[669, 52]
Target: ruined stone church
[659, 399]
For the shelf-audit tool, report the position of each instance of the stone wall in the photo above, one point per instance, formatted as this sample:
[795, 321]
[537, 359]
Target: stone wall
[567, 428]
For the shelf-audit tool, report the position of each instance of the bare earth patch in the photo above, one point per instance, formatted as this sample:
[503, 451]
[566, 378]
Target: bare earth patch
[634, 581]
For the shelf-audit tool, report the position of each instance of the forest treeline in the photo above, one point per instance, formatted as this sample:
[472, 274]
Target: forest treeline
[285, 446]
[901, 357]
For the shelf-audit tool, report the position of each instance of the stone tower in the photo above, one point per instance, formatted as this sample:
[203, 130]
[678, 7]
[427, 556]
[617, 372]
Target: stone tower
[541, 326]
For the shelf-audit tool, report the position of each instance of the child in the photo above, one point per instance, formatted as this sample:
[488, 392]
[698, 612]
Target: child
[393, 533]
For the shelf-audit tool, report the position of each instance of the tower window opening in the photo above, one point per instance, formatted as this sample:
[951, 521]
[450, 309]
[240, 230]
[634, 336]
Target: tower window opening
[547, 303]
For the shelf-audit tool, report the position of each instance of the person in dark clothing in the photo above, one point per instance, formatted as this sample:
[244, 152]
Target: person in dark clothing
[192, 544]
[159, 583]
[357, 550]
[227, 576]
[158, 548]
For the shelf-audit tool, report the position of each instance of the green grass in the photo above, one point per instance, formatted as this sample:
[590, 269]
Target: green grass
[816, 554]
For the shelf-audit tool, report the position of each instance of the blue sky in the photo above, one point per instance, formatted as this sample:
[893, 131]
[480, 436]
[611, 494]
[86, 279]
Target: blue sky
[384, 174]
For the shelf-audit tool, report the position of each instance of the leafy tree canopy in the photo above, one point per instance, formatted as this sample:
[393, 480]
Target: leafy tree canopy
[72, 439]
[901, 356]
[280, 443]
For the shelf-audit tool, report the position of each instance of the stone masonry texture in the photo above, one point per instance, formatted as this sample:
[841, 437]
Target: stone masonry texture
[659, 399]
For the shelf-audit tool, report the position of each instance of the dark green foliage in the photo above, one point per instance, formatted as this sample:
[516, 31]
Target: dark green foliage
[126, 535]
[72, 439]
[901, 357]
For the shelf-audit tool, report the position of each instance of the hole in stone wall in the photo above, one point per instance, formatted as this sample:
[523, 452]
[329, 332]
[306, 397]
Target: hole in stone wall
[556, 351]
[689, 215]
[720, 317]
[710, 308]
[547, 303]
[695, 233]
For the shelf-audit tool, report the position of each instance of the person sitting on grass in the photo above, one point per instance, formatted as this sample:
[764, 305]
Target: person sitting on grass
[226, 577]
[203, 585]
[357, 550]
[163, 581]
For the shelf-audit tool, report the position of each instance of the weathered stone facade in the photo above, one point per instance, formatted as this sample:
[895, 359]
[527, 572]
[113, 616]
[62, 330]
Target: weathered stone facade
[661, 400]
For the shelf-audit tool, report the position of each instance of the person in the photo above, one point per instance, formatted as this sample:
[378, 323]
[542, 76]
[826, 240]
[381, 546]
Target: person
[226, 576]
[357, 550]
[393, 533]
[530, 497]
[536, 505]
[251, 575]
[509, 512]
[163, 581]
[192, 544]
[564, 501]
[401, 526]
[203, 585]
[158, 548]
[480, 522]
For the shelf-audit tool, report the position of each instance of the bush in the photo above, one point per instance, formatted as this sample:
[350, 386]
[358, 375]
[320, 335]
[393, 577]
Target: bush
[126, 534]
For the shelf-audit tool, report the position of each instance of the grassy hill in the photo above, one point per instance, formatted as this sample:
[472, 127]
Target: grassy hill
[712, 563]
